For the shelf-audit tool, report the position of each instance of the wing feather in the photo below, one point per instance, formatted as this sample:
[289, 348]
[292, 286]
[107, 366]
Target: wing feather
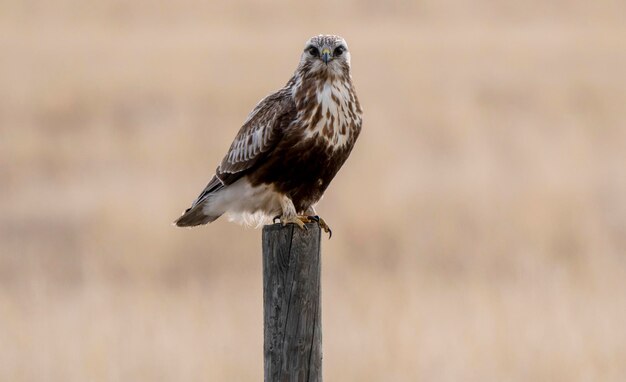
[260, 132]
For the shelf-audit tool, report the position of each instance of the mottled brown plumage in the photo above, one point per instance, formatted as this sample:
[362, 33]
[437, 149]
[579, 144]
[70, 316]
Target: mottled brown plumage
[291, 146]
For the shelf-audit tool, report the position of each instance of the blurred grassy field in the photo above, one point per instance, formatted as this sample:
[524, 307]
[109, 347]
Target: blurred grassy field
[480, 224]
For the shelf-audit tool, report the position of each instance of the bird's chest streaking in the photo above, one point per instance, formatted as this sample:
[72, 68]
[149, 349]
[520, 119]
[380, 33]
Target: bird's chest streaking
[331, 114]
[317, 143]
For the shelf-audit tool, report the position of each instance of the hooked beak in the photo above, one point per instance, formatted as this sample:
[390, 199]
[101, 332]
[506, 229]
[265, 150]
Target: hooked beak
[326, 55]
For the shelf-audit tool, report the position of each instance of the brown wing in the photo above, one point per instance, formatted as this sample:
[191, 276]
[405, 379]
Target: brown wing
[258, 135]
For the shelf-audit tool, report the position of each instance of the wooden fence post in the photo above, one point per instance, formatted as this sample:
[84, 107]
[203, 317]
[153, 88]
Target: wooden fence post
[292, 340]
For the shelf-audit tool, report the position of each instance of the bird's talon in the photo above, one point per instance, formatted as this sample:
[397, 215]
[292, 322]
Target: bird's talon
[297, 220]
[322, 224]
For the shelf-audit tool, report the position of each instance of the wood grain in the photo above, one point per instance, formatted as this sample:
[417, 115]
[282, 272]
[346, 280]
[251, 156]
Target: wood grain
[291, 303]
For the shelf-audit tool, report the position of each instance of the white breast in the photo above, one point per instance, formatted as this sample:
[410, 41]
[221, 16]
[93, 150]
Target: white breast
[335, 109]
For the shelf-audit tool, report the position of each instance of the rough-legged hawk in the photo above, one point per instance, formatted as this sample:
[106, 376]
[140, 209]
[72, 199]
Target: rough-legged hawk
[291, 146]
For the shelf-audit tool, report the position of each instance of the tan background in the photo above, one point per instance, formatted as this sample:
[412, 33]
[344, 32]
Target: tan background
[480, 224]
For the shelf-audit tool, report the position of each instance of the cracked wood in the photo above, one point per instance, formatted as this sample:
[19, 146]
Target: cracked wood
[291, 303]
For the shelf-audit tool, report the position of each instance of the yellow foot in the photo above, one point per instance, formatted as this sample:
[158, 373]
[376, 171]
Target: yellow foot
[301, 220]
[298, 220]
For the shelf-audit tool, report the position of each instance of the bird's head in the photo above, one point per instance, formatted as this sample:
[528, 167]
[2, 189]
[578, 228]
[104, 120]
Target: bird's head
[326, 53]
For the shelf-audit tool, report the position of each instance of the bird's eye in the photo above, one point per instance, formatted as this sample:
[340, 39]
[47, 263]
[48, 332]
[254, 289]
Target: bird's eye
[313, 51]
[339, 51]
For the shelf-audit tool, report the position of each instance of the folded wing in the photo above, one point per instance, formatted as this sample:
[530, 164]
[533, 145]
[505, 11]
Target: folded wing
[259, 134]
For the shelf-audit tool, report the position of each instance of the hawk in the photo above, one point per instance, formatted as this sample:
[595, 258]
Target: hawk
[290, 147]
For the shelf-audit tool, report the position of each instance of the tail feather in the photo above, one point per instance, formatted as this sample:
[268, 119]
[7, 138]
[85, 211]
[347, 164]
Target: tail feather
[195, 216]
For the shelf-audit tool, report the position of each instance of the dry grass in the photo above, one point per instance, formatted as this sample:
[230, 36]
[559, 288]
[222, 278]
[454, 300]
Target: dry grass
[480, 225]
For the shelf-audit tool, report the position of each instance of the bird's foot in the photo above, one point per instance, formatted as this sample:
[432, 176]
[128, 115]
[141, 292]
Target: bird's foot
[301, 220]
[298, 220]
[322, 224]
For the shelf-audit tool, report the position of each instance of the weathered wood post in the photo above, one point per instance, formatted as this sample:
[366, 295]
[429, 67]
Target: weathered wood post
[291, 303]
